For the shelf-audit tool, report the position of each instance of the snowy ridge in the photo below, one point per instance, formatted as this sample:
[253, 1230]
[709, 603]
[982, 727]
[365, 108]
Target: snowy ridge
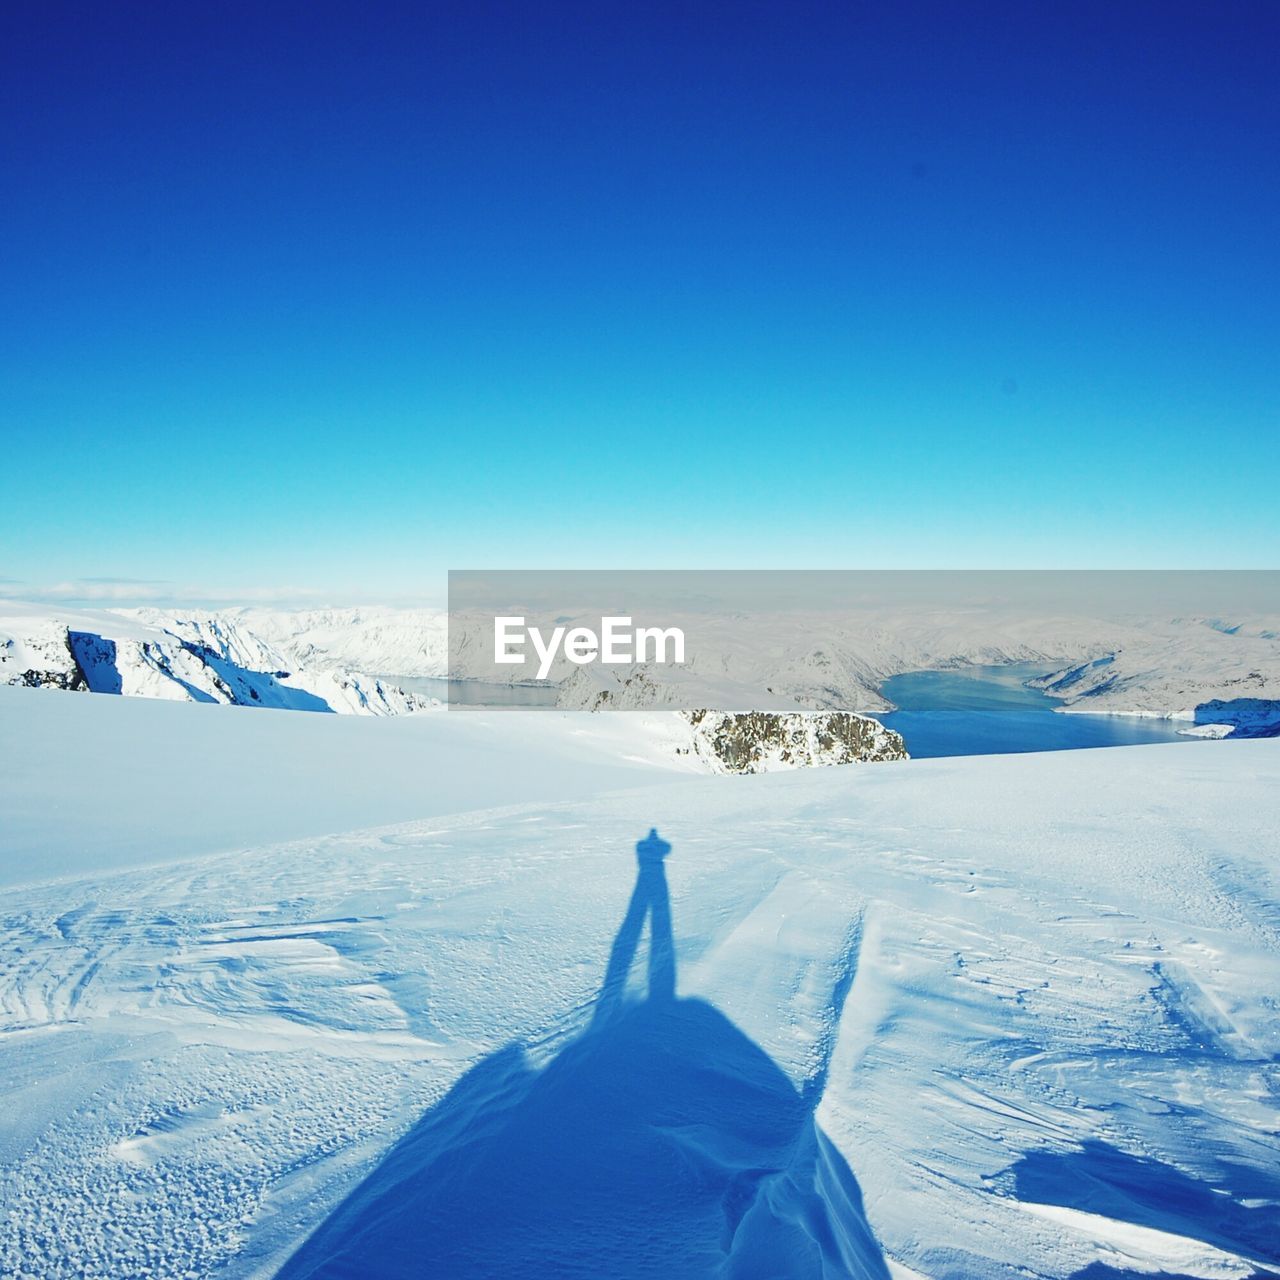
[190, 659]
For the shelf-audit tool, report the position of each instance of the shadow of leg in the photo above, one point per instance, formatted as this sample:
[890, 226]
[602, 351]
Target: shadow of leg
[623, 953]
[662, 948]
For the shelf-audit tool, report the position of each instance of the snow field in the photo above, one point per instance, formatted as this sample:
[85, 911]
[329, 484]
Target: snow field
[1029, 1002]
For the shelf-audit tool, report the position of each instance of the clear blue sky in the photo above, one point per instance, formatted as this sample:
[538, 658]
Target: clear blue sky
[337, 297]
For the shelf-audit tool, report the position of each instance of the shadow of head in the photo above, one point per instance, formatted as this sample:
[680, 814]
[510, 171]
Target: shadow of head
[662, 1142]
[653, 848]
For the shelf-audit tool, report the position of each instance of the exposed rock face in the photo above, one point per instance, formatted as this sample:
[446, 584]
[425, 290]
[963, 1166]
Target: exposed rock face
[765, 741]
[33, 679]
[43, 660]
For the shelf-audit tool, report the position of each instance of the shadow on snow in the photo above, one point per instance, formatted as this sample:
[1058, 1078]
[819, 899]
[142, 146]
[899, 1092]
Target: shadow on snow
[662, 1142]
[1236, 1212]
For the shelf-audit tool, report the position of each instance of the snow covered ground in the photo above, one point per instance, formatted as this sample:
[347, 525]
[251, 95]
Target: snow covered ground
[98, 783]
[990, 1017]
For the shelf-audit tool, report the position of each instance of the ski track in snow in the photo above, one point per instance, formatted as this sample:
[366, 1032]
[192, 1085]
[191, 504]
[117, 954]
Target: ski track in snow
[1033, 1002]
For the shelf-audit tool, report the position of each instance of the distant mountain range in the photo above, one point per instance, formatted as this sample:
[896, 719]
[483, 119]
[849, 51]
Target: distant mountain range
[1219, 675]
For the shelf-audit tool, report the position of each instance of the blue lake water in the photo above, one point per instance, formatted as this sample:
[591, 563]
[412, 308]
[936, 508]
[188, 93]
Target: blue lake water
[970, 712]
[980, 711]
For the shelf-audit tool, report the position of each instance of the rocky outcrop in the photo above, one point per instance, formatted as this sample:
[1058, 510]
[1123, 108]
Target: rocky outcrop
[42, 659]
[761, 740]
[768, 741]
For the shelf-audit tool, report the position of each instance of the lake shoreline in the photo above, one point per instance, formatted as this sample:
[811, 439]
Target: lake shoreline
[992, 710]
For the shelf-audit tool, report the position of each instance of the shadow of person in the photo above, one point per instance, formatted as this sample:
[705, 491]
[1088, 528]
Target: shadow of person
[649, 898]
[661, 1143]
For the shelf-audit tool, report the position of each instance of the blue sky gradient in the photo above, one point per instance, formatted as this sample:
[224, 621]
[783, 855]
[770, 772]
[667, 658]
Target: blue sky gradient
[329, 299]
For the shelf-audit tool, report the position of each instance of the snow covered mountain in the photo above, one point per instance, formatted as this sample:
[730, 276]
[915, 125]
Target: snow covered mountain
[182, 658]
[389, 641]
[832, 660]
[1001, 1017]
[1204, 670]
[1200, 671]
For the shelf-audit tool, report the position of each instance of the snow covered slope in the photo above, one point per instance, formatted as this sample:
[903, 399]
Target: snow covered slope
[1205, 672]
[103, 778]
[993, 1017]
[93, 783]
[178, 658]
[390, 641]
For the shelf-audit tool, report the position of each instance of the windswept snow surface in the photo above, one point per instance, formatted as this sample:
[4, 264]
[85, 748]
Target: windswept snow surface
[990, 1017]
